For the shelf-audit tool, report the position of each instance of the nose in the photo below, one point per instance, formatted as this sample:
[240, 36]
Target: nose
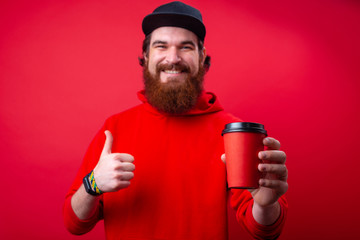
[172, 56]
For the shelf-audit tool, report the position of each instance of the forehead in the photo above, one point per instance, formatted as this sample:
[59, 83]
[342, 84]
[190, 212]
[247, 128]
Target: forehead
[173, 35]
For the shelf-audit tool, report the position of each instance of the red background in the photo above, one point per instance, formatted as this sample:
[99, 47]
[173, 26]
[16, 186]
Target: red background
[67, 65]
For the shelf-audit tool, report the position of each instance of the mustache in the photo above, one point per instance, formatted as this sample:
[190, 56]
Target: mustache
[176, 67]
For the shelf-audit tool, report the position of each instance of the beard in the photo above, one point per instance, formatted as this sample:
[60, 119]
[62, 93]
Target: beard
[174, 96]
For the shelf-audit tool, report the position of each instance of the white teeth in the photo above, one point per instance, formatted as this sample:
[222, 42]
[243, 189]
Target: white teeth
[172, 71]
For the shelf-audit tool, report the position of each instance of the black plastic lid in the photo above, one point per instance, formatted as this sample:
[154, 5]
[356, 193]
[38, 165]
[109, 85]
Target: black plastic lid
[244, 127]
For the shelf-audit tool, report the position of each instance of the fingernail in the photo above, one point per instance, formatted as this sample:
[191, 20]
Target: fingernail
[263, 168]
[261, 182]
[262, 155]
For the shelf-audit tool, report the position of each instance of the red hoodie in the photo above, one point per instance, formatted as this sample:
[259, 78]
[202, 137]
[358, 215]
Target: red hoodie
[179, 189]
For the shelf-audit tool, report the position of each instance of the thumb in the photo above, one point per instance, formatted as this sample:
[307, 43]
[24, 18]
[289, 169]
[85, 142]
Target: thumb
[223, 158]
[108, 143]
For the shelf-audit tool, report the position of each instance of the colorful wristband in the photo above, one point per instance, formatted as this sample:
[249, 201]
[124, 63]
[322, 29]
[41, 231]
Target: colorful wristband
[93, 183]
[90, 185]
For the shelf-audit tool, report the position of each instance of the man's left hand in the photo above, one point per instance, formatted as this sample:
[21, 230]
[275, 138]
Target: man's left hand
[273, 183]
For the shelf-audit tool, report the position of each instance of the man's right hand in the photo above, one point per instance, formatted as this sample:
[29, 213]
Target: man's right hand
[114, 170]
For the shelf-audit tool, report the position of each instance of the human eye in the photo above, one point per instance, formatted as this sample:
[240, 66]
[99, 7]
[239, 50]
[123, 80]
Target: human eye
[160, 46]
[188, 46]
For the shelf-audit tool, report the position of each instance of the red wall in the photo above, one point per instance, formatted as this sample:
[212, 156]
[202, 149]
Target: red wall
[67, 65]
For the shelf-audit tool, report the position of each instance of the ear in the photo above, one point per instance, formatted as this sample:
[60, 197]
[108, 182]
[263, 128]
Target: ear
[145, 57]
[203, 55]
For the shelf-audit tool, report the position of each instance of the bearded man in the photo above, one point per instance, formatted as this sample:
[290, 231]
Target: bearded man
[179, 190]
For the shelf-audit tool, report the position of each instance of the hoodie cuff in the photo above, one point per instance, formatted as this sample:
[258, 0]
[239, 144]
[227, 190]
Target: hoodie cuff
[76, 225]
[272, 231]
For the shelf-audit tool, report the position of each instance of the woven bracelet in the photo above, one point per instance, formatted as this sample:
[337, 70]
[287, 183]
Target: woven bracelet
[93, 183]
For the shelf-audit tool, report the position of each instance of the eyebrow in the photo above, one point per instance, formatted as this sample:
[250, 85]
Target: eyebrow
[188, 42]
[158, 42]
[182, 43]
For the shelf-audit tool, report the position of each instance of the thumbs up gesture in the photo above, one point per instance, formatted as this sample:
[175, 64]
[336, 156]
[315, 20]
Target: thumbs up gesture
[114, 170]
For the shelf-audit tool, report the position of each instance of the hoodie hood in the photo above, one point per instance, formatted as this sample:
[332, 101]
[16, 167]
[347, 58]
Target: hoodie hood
[207, 103]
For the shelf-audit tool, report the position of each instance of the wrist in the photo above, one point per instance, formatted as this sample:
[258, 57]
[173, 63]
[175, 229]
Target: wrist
[90, 185]
[266, 215]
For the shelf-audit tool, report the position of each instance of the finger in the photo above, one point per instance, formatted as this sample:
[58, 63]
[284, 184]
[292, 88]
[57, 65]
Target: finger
[126, 166]
[279, 169]
[125, 176]
[273, 156]
[223, 158]
[271, 143]
[123, 157]
[279, 186]
[108, 143]
[125, 184]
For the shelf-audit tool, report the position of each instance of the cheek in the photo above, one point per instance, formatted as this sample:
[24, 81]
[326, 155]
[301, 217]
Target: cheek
[194, 65]
[153, 61]
[192, 60]
[151, 66]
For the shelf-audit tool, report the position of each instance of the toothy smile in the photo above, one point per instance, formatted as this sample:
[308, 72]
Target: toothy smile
[172, 72]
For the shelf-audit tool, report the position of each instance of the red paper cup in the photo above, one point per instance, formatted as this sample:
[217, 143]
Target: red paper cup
[243, 141]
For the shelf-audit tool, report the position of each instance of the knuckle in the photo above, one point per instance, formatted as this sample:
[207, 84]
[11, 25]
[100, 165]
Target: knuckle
[126, 157]
[122, 166]
[274, 183]
[286, 173]
[119, 176]
[283, 188]
[116, 175]
[278, 144]
[282, 172]
[286, 186]
[128, 176]
[270, 168]
[127, 167]
[275, 142]
[281, 168]
[116, 156]
[132, 167]
[268, 183]
[116, 185]
[276, 155]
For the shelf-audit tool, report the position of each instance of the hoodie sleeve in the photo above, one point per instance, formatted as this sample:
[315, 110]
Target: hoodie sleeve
[72, 222]
[242, 202]
[75, 225]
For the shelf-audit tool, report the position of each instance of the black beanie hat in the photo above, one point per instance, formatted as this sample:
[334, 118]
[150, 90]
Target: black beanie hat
[175, 14]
